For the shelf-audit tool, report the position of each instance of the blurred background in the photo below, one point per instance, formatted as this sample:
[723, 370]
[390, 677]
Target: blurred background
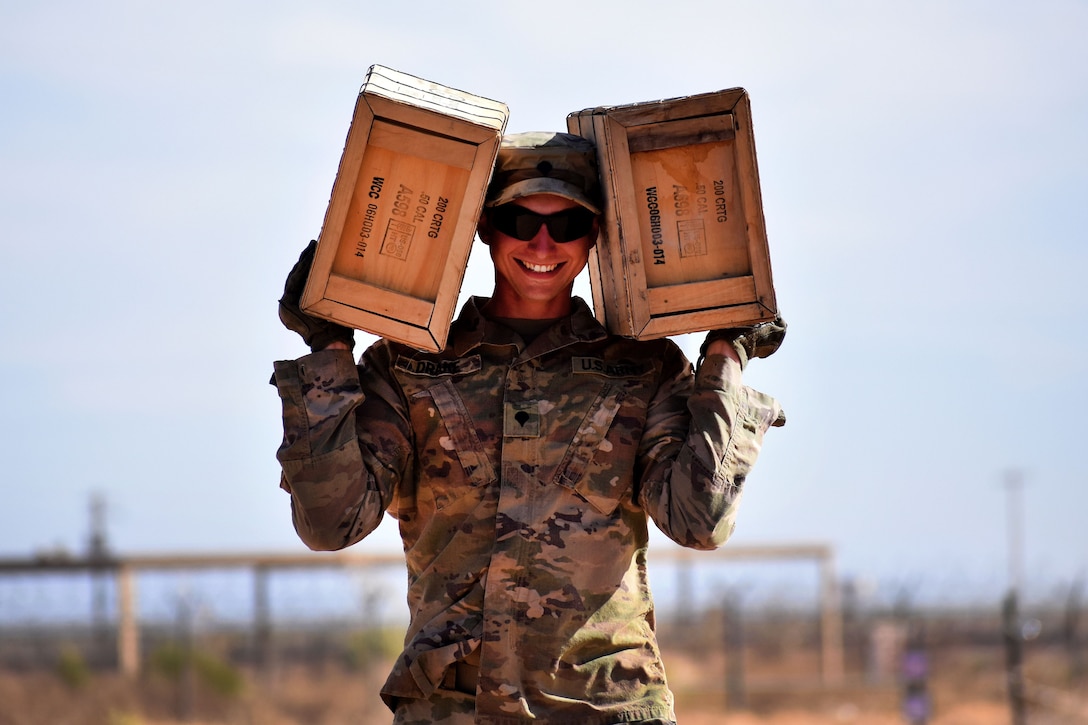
[923, 169]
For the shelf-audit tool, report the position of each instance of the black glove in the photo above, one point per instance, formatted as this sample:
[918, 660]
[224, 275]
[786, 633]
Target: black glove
[760, 340]
[316, 332]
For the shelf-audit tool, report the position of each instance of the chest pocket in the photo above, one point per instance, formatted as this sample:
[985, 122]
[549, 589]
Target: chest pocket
[576, 470]
[443, 425]
[466, 443]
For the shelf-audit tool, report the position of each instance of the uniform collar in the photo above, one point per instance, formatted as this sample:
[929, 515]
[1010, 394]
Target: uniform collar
[472, 329]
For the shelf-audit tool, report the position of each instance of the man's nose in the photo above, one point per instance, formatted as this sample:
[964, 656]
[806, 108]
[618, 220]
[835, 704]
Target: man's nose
[542, 240]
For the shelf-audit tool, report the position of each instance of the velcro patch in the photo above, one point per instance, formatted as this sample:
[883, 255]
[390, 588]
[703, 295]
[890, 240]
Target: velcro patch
[431, 368]
[610, 368]
[521, 420]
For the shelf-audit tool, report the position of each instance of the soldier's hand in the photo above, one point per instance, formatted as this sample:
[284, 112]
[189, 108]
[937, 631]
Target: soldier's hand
[761, 340]
[316, 332]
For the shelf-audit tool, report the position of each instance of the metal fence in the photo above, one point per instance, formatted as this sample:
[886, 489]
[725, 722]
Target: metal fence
[769, 619]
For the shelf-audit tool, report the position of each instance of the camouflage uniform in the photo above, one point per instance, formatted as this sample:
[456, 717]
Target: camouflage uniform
[522, 478]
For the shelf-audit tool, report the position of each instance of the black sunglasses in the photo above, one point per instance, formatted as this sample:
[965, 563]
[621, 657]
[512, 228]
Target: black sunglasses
[521, 223]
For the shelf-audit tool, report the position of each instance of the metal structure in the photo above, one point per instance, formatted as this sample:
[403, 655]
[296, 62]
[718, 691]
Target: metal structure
[125, 569]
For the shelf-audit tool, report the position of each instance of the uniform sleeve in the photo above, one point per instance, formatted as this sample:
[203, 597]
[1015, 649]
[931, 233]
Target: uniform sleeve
[700, 443]
[344, 446]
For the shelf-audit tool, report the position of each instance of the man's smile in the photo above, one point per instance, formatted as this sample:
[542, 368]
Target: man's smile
[539, 268]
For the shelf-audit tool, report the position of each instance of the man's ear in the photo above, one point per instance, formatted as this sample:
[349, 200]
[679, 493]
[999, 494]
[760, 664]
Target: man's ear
[483, 228]
[595, 233]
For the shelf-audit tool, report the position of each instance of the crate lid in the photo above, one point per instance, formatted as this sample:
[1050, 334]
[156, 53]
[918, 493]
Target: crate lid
[404, 88]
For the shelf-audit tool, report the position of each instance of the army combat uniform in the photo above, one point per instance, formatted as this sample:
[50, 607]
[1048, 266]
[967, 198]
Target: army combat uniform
[522, 477]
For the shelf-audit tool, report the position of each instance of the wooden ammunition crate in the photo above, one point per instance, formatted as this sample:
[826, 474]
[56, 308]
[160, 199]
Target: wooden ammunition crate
[402, 214]
[683, 245]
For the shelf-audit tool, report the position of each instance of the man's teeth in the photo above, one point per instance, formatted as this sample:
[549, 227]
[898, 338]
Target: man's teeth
[540, 267]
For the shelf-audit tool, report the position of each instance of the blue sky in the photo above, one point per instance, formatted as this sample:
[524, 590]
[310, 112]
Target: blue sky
[923, 169]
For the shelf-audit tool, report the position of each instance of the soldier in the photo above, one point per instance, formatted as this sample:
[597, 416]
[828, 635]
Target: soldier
[523, 463]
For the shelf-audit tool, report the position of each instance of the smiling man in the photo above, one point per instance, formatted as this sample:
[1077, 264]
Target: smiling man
[534, 272]
[540, 177]
[523, 463]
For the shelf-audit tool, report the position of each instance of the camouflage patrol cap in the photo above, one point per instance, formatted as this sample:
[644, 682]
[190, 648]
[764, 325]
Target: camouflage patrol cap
[546, 162]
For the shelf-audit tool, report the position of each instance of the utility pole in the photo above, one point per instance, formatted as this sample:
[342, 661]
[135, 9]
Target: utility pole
[97, 546]
[1014, 500]
[97, 554]
[1014, 640]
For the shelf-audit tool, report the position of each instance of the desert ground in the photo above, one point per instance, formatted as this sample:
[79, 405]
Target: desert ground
[335, 695]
